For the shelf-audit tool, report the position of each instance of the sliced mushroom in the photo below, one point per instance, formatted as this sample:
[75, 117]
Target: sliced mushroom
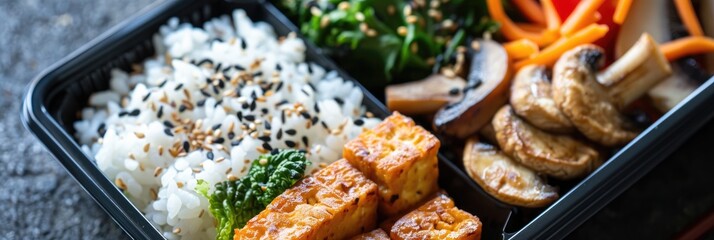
[486, 91]
[636, 72]
[587, 103]
[672, 90]
[425, 96]
[531, 99]
[556, 155]
[505, 179]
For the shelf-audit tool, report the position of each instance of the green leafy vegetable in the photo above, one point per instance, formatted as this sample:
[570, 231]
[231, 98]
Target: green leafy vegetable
[233, 203]
[381, 40]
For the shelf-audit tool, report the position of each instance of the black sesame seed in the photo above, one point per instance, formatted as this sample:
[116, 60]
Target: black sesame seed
[135, 112]
[359, 122]
[245, 105]
[218, 67]
[215, 89]
[168, 124]
[339, 101]
[267, 146]
[264, 110]
[204, 93]
[231, 135]
[309, 68]
[252, 105]
[160, 113]
[240, 116]
[324, 125]
[253, 94]
[204, 61]
[243, 44]
[317, 108]
[257, 74]
[101, 130]
[314, 120]
[280, 86]
[280, 134]
[123, 113]
[304, 141]
[168, 132]
[282, 116]
[278, 67]
[237, 142]
[264, 138]
[186, 146]
[218, 103]
[454, 91]
[215, 127]
[163, 83]
[209, 155]
[182, 108]
[178, 87]
[238, 67]
[291, 132]
[219, 140]
[267, 125]
[305, 115]
[146, 97]
[290, 144]
[281, 103]
[221, 85]
[276, 151]
[312, 86]
[249, 118]
[305, 92]
[200, 103]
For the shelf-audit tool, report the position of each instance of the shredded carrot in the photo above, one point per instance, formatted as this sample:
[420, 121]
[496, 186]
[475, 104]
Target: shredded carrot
[623, 6]
[520, 49]
[582, 12]
[687, 46]
[511, 31]
[531, 10]
[592, 18]
[552, 18]
[530, 27]
[689, 18]
[551, 53]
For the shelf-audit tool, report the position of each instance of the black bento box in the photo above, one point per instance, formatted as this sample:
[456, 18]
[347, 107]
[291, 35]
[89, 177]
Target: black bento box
[55, 96]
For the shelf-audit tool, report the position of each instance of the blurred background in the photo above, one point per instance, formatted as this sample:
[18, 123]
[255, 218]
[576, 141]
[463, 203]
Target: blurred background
[41, 201]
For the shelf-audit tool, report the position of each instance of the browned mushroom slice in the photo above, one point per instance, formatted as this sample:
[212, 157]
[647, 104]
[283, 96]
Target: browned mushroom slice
[531, 98]
[557, 155]
[486, 91]
[586, 103]
[424, 96]
[504, 178]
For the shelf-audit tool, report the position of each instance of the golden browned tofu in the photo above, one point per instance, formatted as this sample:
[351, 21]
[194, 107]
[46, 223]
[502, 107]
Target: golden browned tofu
[437, 219]
[337, 202]
[401, 158]
[377, 234]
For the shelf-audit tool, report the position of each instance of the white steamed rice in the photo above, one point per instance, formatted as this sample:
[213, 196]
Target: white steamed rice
[255, 93]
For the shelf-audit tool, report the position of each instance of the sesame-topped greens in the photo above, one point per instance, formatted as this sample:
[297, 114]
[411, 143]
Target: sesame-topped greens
[391, 39]
[234, 202]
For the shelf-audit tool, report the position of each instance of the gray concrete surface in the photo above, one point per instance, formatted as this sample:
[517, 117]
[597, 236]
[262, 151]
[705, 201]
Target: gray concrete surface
[39, 200]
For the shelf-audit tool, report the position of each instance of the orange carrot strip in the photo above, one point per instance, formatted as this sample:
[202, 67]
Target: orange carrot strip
[551, 53]
[531, 10]
[687, 46]
[552, 18]
[689, 18]
[582, 12]
[623, 6]
[592, 18]
[511, 31]
[529, 27]
[520, 49]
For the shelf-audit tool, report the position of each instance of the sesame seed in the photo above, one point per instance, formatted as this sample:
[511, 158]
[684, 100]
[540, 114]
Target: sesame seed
[168, 132]
[359, 122]
[267, 146]
[179, 184]
[178, 87]
[304, 140]
[135, 112]
[168, 124]
[209, 155]
[146, 97]
[158, 171]
[250, 118]
[290, 144]
[177, 230]
[163, 83]
[146, 147]
[139, 135]
[120, 183]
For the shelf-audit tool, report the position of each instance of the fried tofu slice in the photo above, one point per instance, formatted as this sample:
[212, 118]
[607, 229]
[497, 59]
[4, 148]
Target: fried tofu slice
[336, 202]
[437, 219]
[401, 158]
[377, 234]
